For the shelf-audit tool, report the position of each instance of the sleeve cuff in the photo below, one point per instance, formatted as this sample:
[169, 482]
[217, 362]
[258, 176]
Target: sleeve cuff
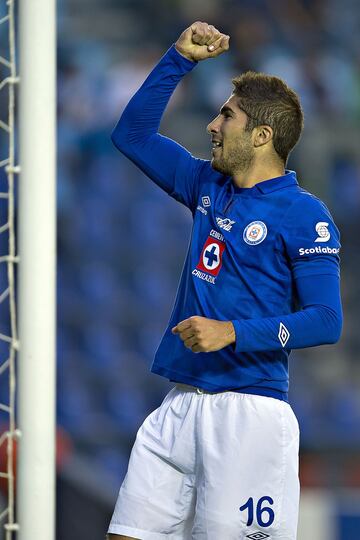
[238, 340]
[185, 63]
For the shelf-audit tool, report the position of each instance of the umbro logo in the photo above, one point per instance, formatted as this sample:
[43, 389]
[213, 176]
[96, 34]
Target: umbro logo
[206, 201]
[257, 536]
[283, 334]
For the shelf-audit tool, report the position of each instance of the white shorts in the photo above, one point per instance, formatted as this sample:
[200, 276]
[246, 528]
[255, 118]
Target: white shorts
[212, 467]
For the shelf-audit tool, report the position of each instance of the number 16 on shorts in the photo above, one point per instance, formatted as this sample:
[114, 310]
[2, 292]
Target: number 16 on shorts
[259, 510]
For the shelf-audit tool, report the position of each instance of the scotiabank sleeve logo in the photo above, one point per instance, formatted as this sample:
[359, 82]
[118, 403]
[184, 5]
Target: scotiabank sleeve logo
[211, 256]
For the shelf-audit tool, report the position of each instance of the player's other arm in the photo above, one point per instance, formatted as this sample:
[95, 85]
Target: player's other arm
[136, 135]
[314, 260]
[318, 323]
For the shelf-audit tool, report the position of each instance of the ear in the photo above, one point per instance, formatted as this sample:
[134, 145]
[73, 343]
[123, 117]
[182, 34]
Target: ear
[262, 135]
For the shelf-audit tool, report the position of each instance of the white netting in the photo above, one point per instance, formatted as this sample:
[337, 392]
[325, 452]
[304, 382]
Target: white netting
[8, 259]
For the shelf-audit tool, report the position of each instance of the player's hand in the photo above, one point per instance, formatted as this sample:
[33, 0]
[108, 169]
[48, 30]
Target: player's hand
[204, 335]
[201, 41]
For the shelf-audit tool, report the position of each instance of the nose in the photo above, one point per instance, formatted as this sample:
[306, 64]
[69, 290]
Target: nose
[213, 127]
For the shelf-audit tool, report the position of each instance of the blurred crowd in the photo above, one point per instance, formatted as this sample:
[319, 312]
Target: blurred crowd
[122, 242]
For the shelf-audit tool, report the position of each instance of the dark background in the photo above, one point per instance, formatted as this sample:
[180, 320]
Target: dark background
[122, 242]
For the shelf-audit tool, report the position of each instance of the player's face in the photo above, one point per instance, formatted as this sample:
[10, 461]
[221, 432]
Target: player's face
[233, 150]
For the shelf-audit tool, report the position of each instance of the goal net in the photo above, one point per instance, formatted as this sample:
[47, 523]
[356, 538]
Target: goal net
[8, 260]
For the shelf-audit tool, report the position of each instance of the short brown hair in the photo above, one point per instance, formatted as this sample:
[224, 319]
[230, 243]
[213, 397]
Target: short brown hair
[268, 100]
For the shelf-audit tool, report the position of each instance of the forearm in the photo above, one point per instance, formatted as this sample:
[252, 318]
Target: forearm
[318, 323]
[136, 135]
[307, 328]
[141, 117]
[164, 161]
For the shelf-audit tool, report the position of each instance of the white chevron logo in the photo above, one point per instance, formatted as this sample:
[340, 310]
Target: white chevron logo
[283, 334]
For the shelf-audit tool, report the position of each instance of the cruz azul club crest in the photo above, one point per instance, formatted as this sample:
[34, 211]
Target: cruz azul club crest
[255, 233]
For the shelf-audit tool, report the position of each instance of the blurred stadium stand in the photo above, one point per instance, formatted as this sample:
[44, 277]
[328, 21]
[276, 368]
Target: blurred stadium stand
[122, 242]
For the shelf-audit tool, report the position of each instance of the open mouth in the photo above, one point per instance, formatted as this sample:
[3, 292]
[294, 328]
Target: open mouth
[215, 146]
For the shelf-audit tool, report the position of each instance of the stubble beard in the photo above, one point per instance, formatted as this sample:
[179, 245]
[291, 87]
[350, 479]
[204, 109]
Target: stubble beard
[240, 156]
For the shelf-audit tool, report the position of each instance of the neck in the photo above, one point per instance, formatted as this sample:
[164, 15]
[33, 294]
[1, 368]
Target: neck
[256, 173]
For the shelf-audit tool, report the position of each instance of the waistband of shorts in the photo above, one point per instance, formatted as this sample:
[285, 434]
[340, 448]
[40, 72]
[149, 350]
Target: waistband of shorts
[253, 390]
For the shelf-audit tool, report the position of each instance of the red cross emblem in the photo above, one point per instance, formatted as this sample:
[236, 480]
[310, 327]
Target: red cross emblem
[211, 256]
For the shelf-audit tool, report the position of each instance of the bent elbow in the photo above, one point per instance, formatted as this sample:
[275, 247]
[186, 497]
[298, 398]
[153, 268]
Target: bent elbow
[119, 138]
[336, 330]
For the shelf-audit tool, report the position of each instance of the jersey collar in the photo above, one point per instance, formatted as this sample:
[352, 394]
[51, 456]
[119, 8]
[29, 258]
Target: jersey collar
[267, 186]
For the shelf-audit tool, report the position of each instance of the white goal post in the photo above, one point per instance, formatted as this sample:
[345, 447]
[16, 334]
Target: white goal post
[37, 254]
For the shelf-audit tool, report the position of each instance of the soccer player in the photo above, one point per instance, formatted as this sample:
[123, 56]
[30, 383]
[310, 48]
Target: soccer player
[218, 460]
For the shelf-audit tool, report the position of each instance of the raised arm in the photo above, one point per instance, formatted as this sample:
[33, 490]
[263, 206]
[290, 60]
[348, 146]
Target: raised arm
[136, 135]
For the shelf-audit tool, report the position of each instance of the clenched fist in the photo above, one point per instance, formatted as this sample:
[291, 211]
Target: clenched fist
[201, 334]
[201, 41]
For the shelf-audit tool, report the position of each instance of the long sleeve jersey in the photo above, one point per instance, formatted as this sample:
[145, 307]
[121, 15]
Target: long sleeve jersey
[265, 257]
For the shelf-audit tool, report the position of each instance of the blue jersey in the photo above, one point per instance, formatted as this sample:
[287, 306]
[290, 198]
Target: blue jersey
[265, 258]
